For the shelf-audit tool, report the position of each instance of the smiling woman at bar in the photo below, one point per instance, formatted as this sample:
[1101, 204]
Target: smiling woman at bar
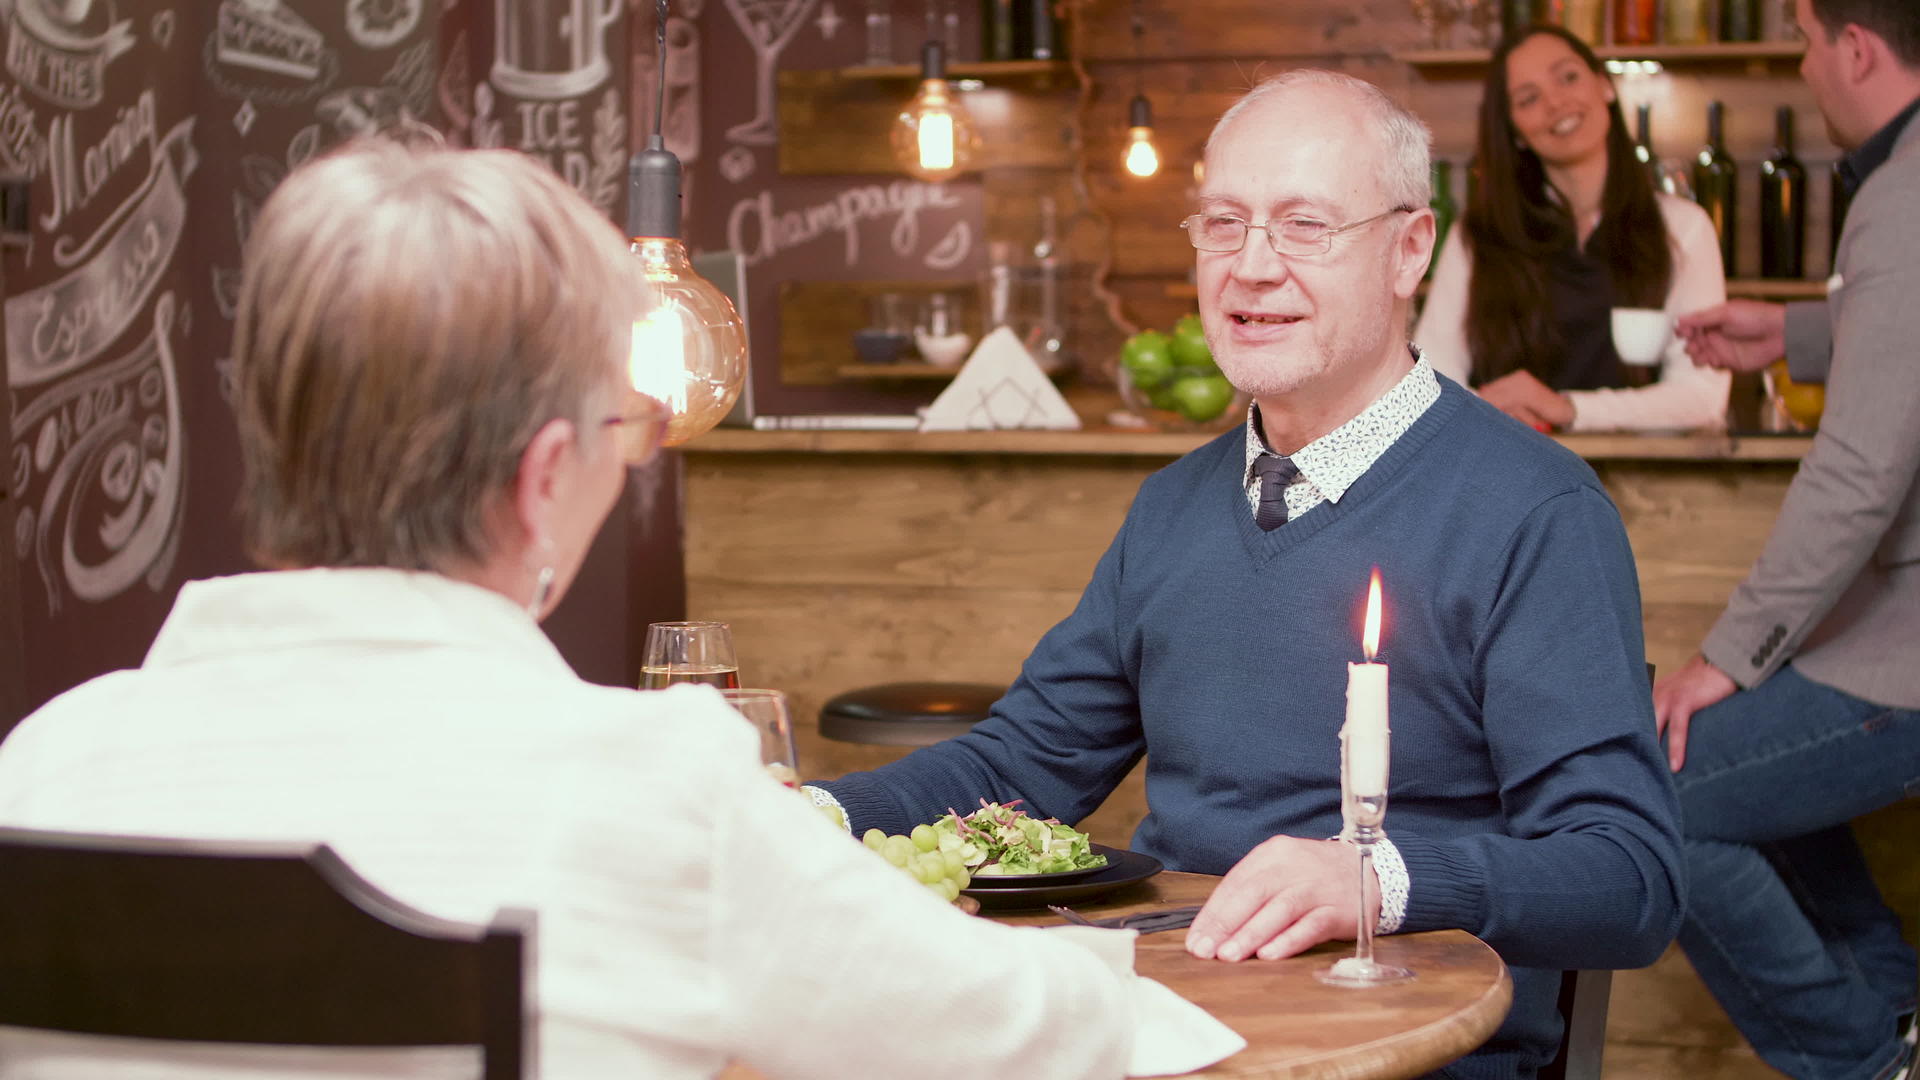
[1564, 225]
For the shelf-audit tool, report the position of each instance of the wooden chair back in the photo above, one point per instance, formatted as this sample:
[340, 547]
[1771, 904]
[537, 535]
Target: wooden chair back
[264, 943]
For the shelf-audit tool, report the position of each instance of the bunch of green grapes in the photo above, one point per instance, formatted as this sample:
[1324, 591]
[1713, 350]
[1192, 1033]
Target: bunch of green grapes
[919, 854]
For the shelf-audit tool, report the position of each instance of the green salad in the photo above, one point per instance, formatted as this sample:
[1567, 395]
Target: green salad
[1002, 839]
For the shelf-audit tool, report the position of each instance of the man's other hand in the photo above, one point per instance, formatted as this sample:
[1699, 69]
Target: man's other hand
[1286, 896]
[1679, 695]
[1739, 335]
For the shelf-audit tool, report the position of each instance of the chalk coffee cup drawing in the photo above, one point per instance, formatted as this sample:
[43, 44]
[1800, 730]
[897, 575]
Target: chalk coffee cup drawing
[551, 49]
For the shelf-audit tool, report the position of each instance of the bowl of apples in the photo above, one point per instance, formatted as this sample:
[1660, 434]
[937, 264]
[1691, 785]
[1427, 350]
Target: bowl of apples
[1170, 380]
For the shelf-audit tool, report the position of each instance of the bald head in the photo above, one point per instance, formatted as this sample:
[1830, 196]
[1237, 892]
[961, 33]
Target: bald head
[1312, 103]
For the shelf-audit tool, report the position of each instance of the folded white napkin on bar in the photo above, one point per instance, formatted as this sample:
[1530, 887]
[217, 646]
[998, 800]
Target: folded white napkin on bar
[999, 387]
[1171, 1035]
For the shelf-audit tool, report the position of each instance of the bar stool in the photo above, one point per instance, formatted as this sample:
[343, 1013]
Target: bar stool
[907, 714]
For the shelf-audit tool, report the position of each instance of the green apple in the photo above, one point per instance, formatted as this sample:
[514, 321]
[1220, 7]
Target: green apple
[1148, 358]
[1190, 345]
[1200, 398]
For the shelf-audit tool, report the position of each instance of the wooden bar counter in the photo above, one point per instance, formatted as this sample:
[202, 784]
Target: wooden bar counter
[849, 558]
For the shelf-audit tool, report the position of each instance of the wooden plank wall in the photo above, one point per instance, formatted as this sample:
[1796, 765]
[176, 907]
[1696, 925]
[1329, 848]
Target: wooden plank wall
[887, 567]
[1063, 137]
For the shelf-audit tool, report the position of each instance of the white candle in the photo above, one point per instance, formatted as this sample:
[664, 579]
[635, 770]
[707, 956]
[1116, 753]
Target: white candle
[1365, 731]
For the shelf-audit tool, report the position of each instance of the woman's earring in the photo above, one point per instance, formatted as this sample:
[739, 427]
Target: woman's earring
[542, 589]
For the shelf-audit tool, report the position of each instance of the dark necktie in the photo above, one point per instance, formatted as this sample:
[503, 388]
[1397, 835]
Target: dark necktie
[1275, 474]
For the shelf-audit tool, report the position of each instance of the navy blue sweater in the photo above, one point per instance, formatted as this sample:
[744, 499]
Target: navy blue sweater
[1528, 798]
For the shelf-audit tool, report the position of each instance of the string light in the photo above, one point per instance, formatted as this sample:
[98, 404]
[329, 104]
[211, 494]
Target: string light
[933, 137]
[689, 348]
[1142, 158]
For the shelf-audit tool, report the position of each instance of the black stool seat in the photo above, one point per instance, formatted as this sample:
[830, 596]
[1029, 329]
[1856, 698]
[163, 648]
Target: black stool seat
[907, 714]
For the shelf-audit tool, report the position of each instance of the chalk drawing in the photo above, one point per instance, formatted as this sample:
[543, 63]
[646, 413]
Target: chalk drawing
[23, 150]
[161, 27]
[738, 163]
[109, 447]
[829, 21]
[455, 89]
[760, 232]
[260, 50]
[376, 24]
[548, 50]
[769, 25]
[60, 49]
[63, 325]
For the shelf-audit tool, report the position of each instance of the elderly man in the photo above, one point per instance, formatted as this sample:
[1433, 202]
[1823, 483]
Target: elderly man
[1802, 710]
[1530, 804]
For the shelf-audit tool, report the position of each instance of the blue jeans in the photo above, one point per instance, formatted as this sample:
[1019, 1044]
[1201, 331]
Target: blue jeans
[1784, 923]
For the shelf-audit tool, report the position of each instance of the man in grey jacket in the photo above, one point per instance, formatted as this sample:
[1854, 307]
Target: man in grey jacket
[1802, 710]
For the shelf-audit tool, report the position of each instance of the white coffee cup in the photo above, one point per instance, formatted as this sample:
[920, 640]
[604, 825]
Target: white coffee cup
[1640, 335]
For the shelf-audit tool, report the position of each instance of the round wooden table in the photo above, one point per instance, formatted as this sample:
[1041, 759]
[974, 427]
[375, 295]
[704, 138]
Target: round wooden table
[1297, 1026]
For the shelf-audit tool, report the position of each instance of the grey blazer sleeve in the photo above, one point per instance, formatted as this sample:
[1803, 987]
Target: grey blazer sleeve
[1855, 490]
[1809, 341]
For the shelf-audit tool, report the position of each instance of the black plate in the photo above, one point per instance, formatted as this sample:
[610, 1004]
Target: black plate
[1123, 868]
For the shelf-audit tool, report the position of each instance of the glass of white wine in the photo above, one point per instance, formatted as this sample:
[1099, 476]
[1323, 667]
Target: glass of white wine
[767, 711]
[689, 652]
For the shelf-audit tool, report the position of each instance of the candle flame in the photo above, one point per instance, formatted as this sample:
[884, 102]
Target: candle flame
[1370, 639]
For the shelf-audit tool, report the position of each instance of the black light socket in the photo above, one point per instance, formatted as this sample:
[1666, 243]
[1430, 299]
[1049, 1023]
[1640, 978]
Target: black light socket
[1139, 113]
[653, 191]
[933, 61]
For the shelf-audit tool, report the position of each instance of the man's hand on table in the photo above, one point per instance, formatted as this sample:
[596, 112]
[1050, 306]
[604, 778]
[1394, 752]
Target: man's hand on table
[1286, 896]
[1679, 695]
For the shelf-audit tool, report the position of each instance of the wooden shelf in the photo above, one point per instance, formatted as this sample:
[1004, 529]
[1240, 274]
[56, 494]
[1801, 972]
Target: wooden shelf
[896, 371]
[984, 70]
[1776, 289]
[1726, 52]
[1749, 288]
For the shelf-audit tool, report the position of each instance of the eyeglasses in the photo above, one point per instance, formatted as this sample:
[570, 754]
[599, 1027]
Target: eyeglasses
[1290, 235]
[640, 429]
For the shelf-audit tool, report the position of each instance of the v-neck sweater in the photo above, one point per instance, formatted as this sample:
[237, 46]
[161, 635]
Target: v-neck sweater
[1529, 798]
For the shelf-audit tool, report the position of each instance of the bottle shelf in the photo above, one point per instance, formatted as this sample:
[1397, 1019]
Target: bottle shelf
[985, 70]
[1741, 288]
[1724, 52]
[896, 371]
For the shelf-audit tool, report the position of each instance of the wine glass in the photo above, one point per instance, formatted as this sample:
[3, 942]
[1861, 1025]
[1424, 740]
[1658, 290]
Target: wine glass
[1363, 782]
[689, 652]
[767, 711]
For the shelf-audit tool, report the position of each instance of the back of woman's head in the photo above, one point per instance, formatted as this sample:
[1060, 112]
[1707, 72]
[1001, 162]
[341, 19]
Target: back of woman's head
[409, 319]
[1515, 225]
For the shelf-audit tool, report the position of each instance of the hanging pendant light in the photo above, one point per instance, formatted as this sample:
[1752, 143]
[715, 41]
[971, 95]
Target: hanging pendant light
[933, 137]
[689, 346]
[1142, 158]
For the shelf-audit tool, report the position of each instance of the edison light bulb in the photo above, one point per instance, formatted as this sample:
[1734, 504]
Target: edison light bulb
[689, 347]
[933, 137]
[1142, 159]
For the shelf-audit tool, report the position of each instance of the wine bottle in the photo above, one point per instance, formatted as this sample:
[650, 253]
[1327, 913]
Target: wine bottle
[1783, 205]
[1047, 39]
[1515, 16]
[1444, 210]
[1643, 143]
[1635, 22]
[1740, 20]
[1839, 197]
[1688, 23]
[1715, 180]
[997, 26]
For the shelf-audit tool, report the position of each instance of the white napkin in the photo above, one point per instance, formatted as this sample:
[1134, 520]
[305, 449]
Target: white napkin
[999, 387]
[1171, 1035]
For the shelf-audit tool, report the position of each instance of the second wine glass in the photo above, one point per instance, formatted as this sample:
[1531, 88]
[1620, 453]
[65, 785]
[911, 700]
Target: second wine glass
[689, 652]
[767, 711]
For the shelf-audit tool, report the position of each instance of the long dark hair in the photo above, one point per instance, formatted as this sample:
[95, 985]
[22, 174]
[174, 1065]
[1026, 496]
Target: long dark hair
[1514, 229]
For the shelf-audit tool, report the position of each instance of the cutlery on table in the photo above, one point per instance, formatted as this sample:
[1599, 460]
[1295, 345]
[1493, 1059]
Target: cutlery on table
[1146, 922]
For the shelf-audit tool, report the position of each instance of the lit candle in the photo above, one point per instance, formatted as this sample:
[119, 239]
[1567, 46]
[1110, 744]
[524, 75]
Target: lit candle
[1365, 732]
